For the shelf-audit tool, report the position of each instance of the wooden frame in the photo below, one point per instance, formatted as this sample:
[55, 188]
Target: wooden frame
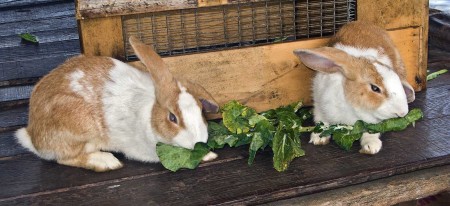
[272, 76]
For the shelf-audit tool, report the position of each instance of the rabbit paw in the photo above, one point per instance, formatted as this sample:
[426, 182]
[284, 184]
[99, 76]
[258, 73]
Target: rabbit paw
[370, 143]
[317, 140]
[209, 157]
[103, 161]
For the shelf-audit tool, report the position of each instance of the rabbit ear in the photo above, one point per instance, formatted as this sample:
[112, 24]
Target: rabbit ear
[326, 59]
[165, 82]
[209, 104]
[409, 91]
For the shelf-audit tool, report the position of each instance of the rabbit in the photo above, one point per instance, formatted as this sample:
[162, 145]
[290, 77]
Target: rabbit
[90, 106]
[361, 76]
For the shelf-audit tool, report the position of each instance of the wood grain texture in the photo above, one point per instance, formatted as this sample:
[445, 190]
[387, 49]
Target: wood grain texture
[102, 37]
[388, 191]
[243, 184]
[105, 8]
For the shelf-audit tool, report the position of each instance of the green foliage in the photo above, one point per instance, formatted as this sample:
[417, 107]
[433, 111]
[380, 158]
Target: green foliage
[29, 37]
[174, 158]
[436, 74]
[277, 128]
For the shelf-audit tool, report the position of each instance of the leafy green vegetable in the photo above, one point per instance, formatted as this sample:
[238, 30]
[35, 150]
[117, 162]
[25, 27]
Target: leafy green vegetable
[345, 135]
[29, 37]
[174, 158]
[277, 128]
[236, 117]
[436, 74]
[285, 147]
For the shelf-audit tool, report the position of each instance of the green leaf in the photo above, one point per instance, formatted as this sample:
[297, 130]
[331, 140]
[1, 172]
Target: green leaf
[395, 124]
[174, 158]
[29, 37]
[236, 117]
[344, 138]
[262, 136]
[255, 145]
[286, 147]
[436, 74]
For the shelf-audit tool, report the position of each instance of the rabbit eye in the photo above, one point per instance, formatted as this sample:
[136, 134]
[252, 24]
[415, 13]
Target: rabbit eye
[375, 88]
[173, 118]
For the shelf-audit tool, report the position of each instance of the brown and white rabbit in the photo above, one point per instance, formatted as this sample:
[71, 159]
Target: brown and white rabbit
[89, 105]
[361, 76]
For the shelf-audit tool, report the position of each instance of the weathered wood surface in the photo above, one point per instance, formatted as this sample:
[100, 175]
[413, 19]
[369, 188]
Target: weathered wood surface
[105, 8]
[26, 180]
[388, 191]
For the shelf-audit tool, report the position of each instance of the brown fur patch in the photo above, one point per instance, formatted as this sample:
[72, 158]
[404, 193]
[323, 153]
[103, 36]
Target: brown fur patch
[362, 34]
[359, 91]
[61, 121]
[160, 119]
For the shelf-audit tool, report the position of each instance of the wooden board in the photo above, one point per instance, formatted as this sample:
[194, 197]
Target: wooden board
[102, 37]
[104, 8]
[269, 76]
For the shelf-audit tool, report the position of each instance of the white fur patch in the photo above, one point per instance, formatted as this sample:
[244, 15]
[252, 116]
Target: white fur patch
[79, 86]
[196, 129]
[209, 157]
[103, 161]
[396, 104]
[24, 139]
[128, 99]
[370, 143]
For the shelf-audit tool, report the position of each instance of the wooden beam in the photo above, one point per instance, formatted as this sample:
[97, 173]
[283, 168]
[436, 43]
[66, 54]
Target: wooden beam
[102, 37]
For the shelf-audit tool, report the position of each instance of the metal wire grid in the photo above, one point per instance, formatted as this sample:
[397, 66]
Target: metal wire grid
[238, 25]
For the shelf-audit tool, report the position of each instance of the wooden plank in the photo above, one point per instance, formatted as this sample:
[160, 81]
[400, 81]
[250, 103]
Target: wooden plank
[388, 191]
[9, 146]
[102, 37]
[13, 118]
[15, 93]
[103, 8]
[31, 68]
[394, 14]
[28, 184]
[269, 76]
[33, 52]
[9, 4]
[55, 10]
[243, 184]
[37, 25]
[44, 37]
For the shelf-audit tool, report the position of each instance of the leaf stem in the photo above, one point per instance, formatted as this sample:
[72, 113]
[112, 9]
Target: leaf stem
[306, 129]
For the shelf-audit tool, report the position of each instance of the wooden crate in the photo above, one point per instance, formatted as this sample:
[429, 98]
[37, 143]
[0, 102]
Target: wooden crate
[262, 77]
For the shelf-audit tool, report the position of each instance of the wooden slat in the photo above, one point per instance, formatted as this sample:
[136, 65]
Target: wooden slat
[33, 52]
[44, 37]
[15, 93]
[55, 10]
[388, 191]
[102, 37]
[9, 146]
[104, 8]
[32, 68]
[46, 24]
[8, 4]
[13, 118]
[243, 184]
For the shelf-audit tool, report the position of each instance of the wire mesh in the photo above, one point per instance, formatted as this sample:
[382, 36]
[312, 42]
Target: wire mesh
[237, 25]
